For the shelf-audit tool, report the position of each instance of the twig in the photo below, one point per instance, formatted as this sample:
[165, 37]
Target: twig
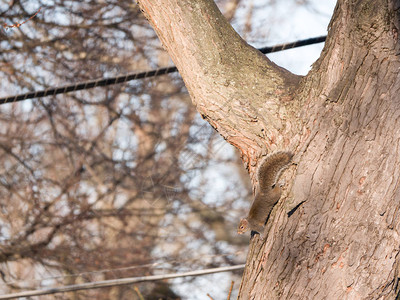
[210, 296]
[230, 290]
[138, 293]
[6, 26]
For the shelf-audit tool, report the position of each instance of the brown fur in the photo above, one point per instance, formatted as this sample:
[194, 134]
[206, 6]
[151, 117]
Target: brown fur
[268, 193]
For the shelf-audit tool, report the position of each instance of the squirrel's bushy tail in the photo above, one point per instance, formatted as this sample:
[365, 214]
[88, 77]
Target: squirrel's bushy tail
[271, 167]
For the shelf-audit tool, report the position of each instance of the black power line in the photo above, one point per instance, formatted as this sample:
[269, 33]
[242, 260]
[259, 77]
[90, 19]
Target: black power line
[125, 78]
[87, 85]
[296, 44]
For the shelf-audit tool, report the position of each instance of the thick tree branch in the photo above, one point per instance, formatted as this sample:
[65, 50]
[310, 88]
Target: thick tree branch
[237, 89]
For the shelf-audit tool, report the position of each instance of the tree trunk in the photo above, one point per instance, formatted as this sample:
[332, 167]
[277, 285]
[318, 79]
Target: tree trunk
[342, 122]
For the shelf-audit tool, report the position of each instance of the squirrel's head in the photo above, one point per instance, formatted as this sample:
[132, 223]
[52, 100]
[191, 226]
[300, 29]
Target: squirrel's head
[243, 226]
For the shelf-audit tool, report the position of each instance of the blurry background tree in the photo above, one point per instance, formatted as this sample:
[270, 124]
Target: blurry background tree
[126, 179]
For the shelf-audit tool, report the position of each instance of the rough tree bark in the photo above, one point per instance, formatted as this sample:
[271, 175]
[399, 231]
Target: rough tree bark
[342, 122]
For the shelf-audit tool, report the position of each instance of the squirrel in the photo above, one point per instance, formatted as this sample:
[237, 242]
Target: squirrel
[268, 193]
